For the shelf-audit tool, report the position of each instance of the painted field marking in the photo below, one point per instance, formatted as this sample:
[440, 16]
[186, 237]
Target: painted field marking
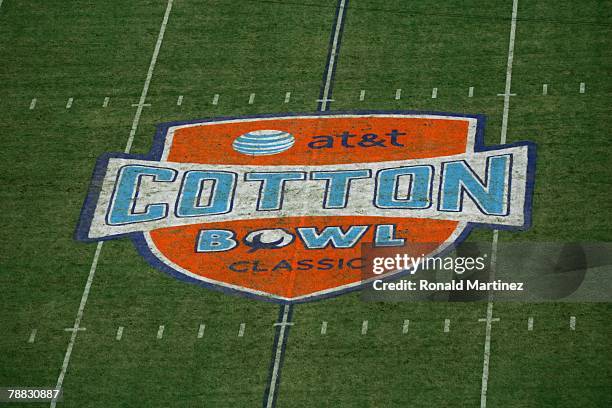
[119, 333]
[160, 332]
[333, 52]
[70, 329]
[362, 95]
[446, 325]
[405, 326]
[32, 336]
[1, 3]
[398, 94]
[215, 100]
[134, 105]
[283, 324]
[471, 92]
[77, 320]
[69, 103]
[201, 330]
[128, 147]
[495, 319]
[179, 101]
[582, 87]
[145, 89]
[572, 322]
[364, 328]
[504, 131]
[280, 346]
[434, 93]
[323, 328]
[280, 340]
[33, 103]
[241, 330]
[106, 101]
[545, 89]
[287, 97]
[530, 324]
[251, 99]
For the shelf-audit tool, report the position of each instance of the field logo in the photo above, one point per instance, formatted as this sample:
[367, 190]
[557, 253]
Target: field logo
[277, 207]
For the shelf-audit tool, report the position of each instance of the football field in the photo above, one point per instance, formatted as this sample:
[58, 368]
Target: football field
[81, 78]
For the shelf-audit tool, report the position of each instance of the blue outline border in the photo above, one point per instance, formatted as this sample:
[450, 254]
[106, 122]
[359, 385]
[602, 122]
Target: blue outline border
[88, 208]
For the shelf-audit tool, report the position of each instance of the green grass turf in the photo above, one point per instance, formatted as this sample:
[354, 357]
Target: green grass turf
[89, 51]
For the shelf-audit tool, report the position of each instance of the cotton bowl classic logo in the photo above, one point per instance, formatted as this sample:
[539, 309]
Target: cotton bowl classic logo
[276, 206]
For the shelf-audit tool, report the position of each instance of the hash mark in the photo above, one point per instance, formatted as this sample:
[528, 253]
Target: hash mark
[251, 99]
[201, 331]
[179, 101]
[572, 322]
[33, 103]
[434, 93]
[119, 333]
[323, 328]
[215, 99]
[582, 87]
[69, 103]
[398, 94]
[364, 327]
[241, 330]
[471, 92]
[287, 97]
[446, 325]
[545, 89]
[32, 336]
[362, 95]
[106, 101]
[405, 326]
[160, 332]
[530, 324]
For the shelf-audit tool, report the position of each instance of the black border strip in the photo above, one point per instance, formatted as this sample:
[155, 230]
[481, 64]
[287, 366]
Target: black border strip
[329, 54]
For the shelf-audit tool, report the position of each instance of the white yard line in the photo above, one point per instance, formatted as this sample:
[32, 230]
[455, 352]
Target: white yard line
[145, 89]
[507, 94]
[332, 57]
[277, 356]
[504, 132]
[128, 147]
[77, 321]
